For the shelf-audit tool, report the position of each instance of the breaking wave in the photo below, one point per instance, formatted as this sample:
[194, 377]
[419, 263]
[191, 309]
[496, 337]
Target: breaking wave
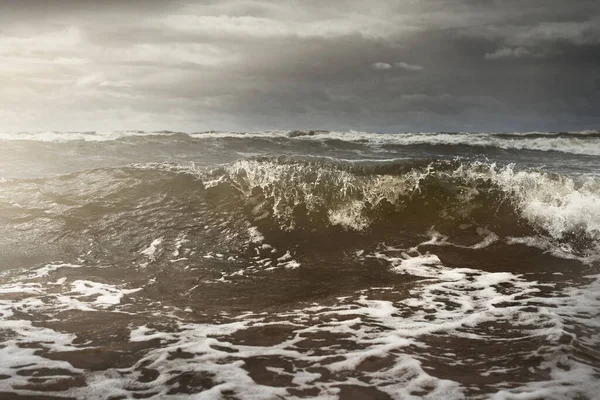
[299, 200]
[360, 196]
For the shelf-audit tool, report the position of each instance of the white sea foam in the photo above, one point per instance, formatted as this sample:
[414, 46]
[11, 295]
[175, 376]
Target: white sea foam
[150, 251]
[180, 241]
[558, 204]
[255, 235]
[104, 295]
[22, 338]
[62, 294]
[450, 303]
[577, 306]
[454, 302]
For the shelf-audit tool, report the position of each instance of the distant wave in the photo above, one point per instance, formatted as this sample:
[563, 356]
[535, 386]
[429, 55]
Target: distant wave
[580, 142]
[91, 136]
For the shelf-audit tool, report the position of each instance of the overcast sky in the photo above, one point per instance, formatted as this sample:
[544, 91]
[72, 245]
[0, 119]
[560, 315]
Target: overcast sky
[403, 65]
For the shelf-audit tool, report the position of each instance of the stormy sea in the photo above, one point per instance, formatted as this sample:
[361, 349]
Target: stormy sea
[299, 264]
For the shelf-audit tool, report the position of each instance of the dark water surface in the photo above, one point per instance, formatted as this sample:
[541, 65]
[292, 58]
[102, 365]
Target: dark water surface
[287, 265]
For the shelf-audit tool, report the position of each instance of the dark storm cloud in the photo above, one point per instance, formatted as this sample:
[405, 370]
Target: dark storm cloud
[244, 65]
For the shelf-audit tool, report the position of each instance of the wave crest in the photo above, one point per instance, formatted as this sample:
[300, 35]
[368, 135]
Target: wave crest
[357, 195]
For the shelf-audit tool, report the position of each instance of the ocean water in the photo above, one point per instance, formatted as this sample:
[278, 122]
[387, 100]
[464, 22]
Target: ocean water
[278, 264]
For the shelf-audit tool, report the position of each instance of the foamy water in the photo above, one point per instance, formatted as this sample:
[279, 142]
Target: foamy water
[325, 265]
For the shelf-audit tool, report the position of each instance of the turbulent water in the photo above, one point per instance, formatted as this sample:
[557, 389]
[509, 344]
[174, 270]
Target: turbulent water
[325, 265]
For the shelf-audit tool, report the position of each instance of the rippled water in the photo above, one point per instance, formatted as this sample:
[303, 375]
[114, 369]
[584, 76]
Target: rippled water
[300, 265]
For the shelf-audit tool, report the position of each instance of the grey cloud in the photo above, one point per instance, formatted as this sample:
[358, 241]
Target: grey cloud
[508, 52]
[257, 64]
[381, 66]
[578, 33]
[408, 67]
